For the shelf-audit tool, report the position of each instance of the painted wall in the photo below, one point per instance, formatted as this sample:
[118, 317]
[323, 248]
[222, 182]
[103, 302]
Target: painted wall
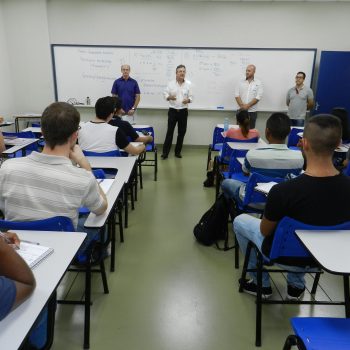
[28, 47]
[33, 24]
[6, 88]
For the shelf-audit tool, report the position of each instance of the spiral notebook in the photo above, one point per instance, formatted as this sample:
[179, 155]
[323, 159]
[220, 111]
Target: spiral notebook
[33, 254]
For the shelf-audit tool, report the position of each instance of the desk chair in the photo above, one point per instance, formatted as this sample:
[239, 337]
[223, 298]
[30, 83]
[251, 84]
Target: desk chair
[100, 174]
[25, 135]
[235, 168]
[293, 138]
[150, 148]
[321, 333]
[85, 259]
[253, 201]
[216, 144]
[130, 184]
[223, 159]
[286, 250]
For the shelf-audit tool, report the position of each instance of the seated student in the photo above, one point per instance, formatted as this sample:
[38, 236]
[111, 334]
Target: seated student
[127, 128]
[98, 136]
[243, 132]
[275, 159]
[47, 184]
[320, 196]
[16, 278]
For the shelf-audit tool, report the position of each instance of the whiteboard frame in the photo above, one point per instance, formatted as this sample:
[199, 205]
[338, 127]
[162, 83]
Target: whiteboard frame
[314, 50]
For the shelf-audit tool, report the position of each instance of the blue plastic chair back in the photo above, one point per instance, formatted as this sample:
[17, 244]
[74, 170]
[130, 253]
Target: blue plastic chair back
[322, 333]
[346, 171]
[286, 243]
[226, 151]
[99, 174]
[293, 137]
[234, 165]
[24, 135]
[56, 223]
[150, 147]
[218, 139]
[253, 196]
[115, 153]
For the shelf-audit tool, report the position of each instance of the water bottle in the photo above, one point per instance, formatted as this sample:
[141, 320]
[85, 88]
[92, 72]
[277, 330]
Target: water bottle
[226, 124]
[88, 101]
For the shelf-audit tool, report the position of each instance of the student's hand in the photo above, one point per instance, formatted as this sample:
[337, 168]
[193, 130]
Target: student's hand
[76, 154]
[11, 238]
[1, 119]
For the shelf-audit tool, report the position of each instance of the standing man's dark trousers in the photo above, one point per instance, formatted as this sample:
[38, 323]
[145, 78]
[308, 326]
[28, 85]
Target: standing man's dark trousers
[252, 116]
[178, 116]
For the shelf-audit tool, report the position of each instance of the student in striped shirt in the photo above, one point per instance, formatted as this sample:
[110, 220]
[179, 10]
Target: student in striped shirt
[275, 159]
[47, 184]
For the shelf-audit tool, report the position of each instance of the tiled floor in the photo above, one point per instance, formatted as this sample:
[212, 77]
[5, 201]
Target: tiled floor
[170, 293]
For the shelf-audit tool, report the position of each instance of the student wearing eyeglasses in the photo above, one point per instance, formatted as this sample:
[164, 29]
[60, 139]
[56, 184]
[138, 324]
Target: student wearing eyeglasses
[300, 98]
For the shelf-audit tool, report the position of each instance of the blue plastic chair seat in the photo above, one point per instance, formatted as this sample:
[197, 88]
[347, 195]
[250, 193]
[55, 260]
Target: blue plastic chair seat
[323, 333]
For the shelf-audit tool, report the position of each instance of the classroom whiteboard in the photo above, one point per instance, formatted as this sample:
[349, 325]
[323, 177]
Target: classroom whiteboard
[81, 71]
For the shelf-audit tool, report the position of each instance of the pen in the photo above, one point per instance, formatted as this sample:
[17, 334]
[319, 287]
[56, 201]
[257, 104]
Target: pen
[30, 242]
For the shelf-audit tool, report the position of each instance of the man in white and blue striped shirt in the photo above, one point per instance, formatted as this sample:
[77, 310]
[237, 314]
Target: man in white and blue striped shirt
[274, 160]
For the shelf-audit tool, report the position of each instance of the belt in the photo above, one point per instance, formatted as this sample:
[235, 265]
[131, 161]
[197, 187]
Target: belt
[178, 110]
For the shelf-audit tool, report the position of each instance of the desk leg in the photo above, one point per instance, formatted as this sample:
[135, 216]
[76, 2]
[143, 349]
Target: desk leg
[126, 209]
[346, 296]
[87, 306]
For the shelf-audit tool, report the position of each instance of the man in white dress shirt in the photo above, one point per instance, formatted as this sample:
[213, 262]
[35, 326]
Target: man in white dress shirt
[179, 94]
[248, 93]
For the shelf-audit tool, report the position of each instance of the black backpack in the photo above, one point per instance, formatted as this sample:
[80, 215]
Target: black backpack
[213, 224]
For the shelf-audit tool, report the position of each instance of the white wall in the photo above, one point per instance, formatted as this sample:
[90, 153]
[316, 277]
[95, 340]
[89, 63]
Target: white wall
[29, 51]
[6, 89]
[324, 26]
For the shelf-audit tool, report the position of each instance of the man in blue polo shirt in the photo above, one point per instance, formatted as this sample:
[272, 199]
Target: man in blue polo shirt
[127, 89]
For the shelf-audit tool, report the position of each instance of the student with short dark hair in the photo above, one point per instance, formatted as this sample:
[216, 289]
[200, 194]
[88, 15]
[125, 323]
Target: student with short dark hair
[16, 279]
[99, 136]
[47, 184]
[320, 196]
[274, 159]
[125, 126]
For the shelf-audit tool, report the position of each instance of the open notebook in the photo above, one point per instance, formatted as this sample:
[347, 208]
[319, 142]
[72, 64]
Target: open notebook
[33, 254]
[265, 187]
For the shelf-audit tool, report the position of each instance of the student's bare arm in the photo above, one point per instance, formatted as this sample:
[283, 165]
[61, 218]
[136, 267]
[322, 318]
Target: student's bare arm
[14, 267]
[267, 227]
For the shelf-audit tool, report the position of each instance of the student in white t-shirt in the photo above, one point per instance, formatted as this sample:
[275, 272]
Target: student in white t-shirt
[99, 136]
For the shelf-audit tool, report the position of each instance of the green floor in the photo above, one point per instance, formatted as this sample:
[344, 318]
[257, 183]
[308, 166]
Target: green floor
[168, 292]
